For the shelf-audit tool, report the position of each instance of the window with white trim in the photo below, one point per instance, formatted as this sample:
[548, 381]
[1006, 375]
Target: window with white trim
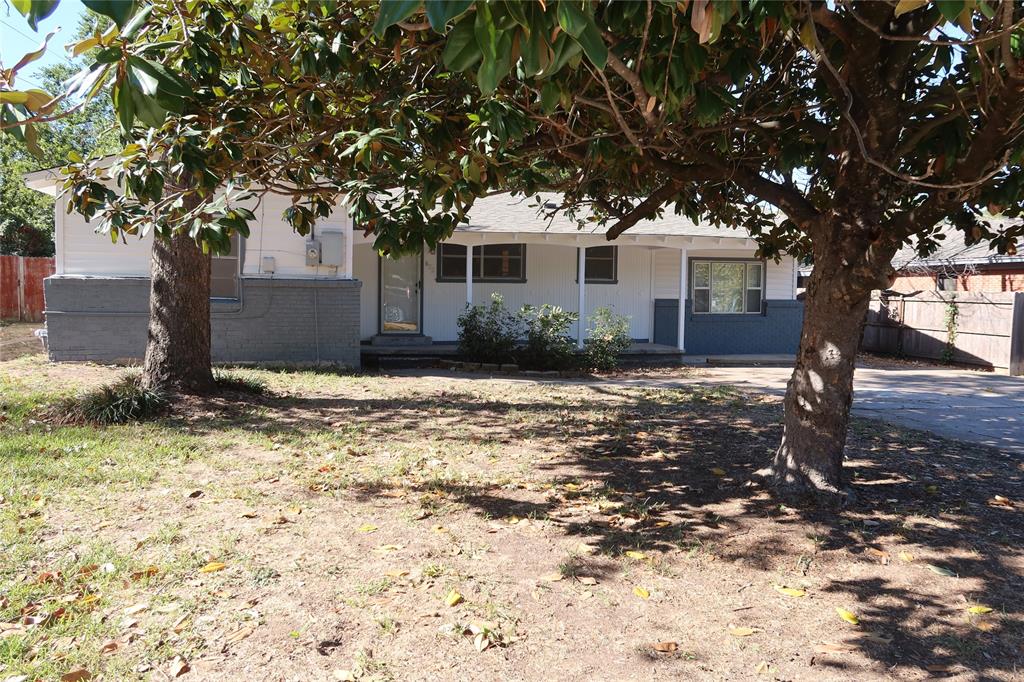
[491, 263]
[735, 287]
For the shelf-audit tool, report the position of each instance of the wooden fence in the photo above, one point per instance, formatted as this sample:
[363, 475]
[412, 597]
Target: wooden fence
[21, 287]
[984, 329]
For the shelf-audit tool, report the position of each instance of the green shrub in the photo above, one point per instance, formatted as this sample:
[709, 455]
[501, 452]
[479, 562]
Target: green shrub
[489, 333]
[239, 383]
[548, 344]
[123, 401]
[607, 338]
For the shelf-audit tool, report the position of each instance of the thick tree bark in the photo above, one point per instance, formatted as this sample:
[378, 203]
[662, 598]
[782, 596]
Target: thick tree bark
[809, 460]
[178, 345]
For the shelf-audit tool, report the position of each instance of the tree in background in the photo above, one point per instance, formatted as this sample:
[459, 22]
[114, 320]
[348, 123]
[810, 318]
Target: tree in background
[26, 216]
[838, 130]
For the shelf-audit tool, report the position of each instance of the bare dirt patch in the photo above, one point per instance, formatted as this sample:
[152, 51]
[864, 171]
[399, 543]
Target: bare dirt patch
[17, 339]
[416, 528]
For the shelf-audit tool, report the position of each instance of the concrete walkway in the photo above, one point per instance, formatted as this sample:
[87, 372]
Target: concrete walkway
[975, 407]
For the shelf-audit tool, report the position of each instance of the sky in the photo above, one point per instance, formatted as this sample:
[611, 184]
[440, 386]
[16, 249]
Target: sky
[17, 39]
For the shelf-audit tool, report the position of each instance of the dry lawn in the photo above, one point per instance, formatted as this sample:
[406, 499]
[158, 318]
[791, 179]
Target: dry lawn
[457, 528]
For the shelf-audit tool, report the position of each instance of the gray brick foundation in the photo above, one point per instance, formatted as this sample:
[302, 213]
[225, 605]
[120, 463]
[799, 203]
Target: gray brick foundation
[775, 331]
[104, 319]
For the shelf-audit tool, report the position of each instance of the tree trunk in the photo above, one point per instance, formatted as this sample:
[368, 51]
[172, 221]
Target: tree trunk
[178, 345]
[809, 461]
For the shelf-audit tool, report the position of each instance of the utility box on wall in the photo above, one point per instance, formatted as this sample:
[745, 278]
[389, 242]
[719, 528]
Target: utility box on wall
[332, 247]
[312, 253]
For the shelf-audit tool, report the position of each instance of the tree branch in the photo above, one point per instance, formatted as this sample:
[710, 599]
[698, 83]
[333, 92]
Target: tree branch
[645, 209]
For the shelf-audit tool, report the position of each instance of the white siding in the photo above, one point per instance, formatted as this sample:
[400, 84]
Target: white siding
[779, 276]
[83, 252]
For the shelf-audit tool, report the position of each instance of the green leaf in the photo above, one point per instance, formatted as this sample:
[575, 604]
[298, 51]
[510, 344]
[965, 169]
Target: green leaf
[440, 12]
[950, 8]
[461, 50]
[118, 10]
[169, 83]
[35, 10]
[582, 27]
[124, 106]
[549, 96]
[392, 12]
[133, 26]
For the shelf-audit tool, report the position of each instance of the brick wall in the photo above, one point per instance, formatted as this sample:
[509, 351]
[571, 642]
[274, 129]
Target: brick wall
[775, 331]
[991, 281]
[276, 320]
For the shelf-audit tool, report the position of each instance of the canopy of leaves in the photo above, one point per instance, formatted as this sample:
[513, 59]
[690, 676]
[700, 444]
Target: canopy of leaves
[870, 121]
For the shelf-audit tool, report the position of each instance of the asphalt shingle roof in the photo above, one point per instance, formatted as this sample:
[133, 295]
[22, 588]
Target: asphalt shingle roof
[506, 213]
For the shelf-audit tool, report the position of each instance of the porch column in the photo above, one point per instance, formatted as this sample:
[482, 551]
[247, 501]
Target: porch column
[582, 304]
[350, 235]
[682, 300]
[469, 275]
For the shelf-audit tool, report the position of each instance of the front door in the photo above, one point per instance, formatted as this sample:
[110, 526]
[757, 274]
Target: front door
[400, 295]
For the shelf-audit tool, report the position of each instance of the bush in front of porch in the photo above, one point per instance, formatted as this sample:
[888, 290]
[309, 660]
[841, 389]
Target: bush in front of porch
[537, 337]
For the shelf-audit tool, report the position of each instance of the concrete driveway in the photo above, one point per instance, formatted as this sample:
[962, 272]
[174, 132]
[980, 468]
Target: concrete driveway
[976, 407]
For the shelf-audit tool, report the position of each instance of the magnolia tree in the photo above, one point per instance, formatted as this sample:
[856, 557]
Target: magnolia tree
[837, 130]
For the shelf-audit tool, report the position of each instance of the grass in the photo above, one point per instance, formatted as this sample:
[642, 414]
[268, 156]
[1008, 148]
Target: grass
[346, 507]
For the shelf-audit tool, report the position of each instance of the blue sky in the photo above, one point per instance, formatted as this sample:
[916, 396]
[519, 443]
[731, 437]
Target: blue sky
[16, 38]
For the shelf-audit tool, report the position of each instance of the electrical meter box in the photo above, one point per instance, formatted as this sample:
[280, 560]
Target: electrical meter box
[313, 253]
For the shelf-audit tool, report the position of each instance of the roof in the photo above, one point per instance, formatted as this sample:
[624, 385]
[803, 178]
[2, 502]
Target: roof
[504, 213]
[954, 251]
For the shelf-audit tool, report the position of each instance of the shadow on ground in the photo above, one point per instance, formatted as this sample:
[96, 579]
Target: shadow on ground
[668, 469]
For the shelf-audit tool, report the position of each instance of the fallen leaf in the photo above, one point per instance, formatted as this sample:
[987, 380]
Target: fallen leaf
[137, 608]
[905, 557]
[213, 567]
[147, 572]
[396, 573]
[633, 554]
[88, 570]
[1000, 501]
[789, 591]
[389, 548]
[343, 676]
[718, 471]
[76, 675]
[47, 577]
[586, 580]
[876, 638]
[367, 528]
[110, 646]
[88, 599]
[883, 557]
[552, 577]
[665, 647]
[481, 641]
[179, 666]
[941, 570]
[835, 647]
[848, 616]
[978, 610]
[453, 598]
[742, 631]
[195, 493]
[238, 635]
[641, 592]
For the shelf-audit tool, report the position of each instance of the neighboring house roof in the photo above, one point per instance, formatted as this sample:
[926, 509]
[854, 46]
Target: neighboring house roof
[951, 252]
[504, 213]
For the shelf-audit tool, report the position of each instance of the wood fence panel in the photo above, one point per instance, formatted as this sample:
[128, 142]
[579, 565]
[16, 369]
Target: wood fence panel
[916, 326]
[21, 287]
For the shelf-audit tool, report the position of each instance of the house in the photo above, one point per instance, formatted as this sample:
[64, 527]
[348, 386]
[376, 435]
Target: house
[281, 297]
[957, 267]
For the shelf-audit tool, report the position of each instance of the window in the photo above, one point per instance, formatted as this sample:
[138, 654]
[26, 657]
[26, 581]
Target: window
[491, 263]
[602, 265]
[945, 283]
[224, 271]
[727, 287]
